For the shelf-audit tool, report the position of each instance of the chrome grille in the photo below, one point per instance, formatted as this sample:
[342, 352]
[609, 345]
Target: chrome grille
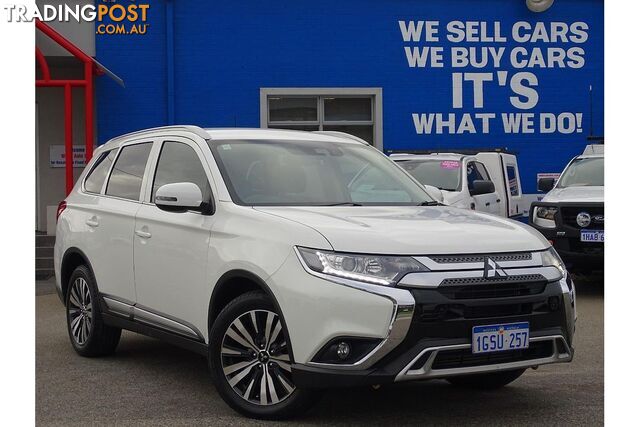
[458, 259]
[522, 278]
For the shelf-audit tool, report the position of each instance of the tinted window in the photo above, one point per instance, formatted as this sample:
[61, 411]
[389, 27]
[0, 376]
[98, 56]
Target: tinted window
[95, 179]
[476, 172]
[179, 163]
[312, 173]
[583, 172]
[513, 180]
[482, 172]
[443, 174]
[126, 178]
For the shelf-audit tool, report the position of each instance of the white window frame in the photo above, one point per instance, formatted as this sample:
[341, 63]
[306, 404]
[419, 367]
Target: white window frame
[354, 92]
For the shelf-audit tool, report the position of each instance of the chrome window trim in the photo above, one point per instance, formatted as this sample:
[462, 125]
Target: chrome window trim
[561, 353]
[403, 308]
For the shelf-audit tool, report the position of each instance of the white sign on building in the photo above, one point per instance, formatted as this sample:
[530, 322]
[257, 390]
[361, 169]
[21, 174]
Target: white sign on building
[57, 156]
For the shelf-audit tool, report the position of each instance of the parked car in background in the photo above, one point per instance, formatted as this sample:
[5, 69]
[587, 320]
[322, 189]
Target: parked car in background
[484, 181]
[571, 214]
[298, 261]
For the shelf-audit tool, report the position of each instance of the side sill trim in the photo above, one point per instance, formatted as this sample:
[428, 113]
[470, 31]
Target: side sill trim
[136, 313]
[151, 331]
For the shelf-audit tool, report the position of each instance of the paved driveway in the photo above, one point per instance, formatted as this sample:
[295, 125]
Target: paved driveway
[148, 382]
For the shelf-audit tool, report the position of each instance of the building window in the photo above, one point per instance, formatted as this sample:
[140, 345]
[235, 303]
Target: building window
[355, 111]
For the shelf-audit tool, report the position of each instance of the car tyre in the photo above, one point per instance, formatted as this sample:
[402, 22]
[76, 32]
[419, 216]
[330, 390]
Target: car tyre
[491, 381]
[249, 359]
[89, 336]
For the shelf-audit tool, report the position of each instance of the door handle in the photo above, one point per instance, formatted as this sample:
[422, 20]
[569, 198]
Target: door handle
[143, 234]
[92, 222]
[498, 201]
[488, 204]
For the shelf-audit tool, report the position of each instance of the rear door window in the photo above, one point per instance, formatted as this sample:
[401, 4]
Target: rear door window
[126, 177]
[512, 176]
[94, 181]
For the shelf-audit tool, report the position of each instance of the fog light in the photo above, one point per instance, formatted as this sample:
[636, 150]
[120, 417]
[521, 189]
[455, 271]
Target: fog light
[343, 350]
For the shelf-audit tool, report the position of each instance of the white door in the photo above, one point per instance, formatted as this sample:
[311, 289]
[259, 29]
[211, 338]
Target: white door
[110, 217]
[483, 202]
[171, 248]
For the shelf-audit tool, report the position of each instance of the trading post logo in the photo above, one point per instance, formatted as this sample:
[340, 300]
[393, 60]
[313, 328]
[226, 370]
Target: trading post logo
[110, 16]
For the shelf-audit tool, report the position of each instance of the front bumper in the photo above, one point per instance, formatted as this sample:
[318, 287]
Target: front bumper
[438, 343]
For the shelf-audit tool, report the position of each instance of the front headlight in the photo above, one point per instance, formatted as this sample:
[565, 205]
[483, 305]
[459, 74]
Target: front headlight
[544, 216]
[550, 258]
[376, 269]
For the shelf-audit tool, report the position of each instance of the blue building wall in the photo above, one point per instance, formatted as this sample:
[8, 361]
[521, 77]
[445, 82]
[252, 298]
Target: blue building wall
[224, 52]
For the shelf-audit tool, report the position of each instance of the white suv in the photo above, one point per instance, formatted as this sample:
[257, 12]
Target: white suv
[300, 261]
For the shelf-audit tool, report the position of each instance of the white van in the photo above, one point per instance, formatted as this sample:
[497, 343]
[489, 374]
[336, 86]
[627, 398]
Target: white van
[483, 181]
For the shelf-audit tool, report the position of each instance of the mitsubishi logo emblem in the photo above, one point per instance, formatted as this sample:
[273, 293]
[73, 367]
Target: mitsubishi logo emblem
[492, 269]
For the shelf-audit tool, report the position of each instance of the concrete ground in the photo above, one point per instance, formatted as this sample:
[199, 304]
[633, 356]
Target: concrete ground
[148, 382]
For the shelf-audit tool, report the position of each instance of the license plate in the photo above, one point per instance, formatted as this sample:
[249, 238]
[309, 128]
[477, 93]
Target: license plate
[491, 338]
[592, 236]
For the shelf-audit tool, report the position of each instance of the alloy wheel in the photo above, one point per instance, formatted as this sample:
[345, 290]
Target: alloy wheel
[79, 311]
[255, 358]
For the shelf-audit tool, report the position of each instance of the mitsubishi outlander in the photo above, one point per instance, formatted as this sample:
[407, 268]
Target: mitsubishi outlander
[301, 261]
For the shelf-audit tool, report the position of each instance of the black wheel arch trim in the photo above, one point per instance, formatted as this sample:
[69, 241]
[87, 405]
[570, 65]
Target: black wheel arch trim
[73, 251]
[247, 275]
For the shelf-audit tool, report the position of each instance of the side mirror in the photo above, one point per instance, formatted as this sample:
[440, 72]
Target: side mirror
[546, 184]
[435, 193]
[179, 197]
[482, 187]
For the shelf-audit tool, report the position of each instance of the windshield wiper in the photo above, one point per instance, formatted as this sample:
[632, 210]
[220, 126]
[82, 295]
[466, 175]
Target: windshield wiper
[430, 203]
[343, 204]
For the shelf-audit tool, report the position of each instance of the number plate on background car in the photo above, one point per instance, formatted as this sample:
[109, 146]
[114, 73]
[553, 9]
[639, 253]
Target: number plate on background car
[592, 236]
[490, 338]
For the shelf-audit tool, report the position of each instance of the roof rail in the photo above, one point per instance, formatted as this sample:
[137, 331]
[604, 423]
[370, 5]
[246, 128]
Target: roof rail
[343, 135]
[186, 128]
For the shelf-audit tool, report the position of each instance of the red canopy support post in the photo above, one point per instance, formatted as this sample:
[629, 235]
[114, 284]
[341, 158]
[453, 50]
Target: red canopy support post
[44, 67]
[90, 69]
[88, 111]
[68, 138]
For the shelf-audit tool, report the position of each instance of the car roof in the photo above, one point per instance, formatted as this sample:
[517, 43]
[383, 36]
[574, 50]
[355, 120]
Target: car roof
[590, 156]
[434, 156]
[234, 133]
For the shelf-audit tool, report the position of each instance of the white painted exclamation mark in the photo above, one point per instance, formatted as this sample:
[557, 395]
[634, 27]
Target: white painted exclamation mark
[579, 122]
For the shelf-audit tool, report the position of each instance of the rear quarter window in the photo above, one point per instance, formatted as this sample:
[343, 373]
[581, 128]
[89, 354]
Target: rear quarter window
[95, 179]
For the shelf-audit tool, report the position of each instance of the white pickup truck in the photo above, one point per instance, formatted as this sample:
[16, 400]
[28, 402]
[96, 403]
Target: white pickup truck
[483, 181]
[571, 214]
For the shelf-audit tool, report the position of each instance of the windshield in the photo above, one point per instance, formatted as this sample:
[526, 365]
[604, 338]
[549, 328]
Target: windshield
[304, 173]
[583, 172]
[443, 174]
